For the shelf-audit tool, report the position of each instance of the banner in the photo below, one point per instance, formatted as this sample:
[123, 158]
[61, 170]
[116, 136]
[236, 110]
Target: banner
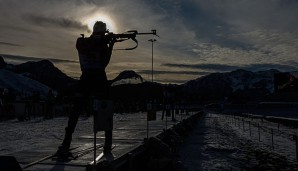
[103, 115]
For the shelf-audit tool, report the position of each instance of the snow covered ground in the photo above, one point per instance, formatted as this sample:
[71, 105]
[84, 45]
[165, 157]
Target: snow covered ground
[219, 142]
[18, 136]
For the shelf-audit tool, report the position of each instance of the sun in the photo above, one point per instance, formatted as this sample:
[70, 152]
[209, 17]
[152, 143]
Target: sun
[104, 18]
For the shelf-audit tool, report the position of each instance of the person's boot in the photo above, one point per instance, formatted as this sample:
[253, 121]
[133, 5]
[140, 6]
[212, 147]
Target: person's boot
[64, 147]
[108, 142]
[106, 150]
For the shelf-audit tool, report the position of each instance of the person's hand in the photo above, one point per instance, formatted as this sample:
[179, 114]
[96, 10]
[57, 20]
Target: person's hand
[112, 41]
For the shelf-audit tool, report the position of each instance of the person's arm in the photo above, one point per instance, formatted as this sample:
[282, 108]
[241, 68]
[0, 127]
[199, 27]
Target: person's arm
[111, 43]
[81, 45]
[109, 51]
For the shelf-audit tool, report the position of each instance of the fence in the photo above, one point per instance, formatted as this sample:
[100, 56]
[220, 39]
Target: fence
[270, 135]
[24, 110]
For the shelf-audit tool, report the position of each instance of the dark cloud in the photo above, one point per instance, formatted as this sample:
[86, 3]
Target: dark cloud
[159, 72]
[54, 22]
[259, 67]
[210, 28]
[224, 22]
[23, 59]
[17, 28]
[9, 44]
[211, 67]
[224, 68]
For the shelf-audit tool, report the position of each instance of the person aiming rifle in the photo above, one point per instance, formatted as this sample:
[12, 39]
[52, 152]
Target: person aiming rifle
[94, 56]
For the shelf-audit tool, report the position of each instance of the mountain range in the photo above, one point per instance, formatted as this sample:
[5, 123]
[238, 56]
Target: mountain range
[43, 75]
[219, 85]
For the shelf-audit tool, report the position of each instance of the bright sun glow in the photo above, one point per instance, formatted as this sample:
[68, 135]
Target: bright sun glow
[99, 17]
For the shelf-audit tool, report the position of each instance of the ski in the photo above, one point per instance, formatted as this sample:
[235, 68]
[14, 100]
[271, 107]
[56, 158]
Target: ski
[89, 150]
[100, 156]
[46, 157]
[76, 154]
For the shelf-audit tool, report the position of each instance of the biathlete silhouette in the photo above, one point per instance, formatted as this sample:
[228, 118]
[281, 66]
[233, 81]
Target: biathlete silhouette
[94, 56]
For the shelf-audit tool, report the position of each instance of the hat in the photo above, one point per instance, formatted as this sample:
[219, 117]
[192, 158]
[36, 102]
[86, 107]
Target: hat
[99, 26]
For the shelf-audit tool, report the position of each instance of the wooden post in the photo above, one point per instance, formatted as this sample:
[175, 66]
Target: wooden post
[243, 125]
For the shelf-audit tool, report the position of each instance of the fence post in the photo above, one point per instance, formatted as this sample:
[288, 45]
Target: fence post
[296, 139]
[231, 120]
[249, 128]
[243, 125]
[259, 132]
[272, 138]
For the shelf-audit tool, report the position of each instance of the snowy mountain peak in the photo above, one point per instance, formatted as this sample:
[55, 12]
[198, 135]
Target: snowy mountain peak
[21, 84]
[127, 77]
[2, 62]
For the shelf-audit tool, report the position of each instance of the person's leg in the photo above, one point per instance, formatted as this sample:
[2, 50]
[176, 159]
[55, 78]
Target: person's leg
[72, 122]
[100, 88]
[108, 141]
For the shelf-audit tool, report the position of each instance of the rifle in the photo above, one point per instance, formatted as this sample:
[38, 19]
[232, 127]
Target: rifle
[129, 35]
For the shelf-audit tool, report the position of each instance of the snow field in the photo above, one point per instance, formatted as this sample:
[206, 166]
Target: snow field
[266, 135]
[219, 143]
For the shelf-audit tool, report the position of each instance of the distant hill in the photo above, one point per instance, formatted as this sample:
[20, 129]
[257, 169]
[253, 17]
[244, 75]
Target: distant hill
[240, 83]
[45, 72]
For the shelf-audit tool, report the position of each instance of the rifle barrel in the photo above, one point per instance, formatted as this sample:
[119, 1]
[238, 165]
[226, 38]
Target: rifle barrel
[146, 33]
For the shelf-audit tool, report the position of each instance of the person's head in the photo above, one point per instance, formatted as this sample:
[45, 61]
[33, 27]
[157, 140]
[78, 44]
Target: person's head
[99, 28]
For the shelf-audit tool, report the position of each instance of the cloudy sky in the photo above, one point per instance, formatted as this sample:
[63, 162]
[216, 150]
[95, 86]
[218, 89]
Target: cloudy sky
[197, 37]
